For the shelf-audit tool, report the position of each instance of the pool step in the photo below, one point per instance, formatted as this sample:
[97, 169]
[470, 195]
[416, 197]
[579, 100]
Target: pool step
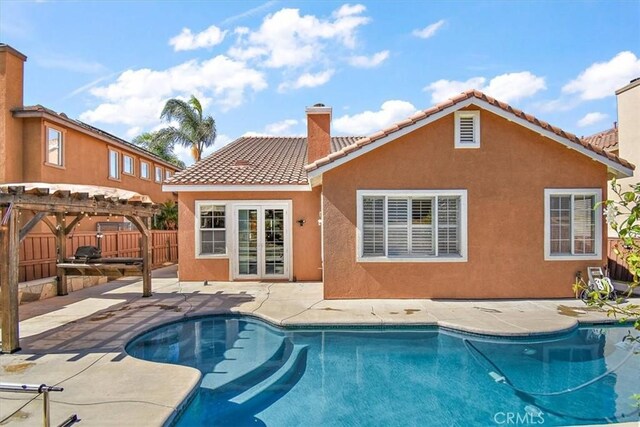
[253, 357]
[297, 361]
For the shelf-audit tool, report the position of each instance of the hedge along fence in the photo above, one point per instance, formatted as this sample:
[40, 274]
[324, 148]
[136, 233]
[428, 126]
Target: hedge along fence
[38, 250]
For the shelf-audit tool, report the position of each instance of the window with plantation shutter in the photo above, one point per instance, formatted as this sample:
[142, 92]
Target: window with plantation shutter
[467, 129]
[373, 226]
[571, 228]
[398, 226]
[416, 225]
[448, 225]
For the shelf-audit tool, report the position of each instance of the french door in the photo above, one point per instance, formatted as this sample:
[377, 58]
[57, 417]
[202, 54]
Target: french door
[261, 241]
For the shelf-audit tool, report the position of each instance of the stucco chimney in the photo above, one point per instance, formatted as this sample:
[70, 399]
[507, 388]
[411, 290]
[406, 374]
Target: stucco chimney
[11, 96]
[318, 132]
[628, 100]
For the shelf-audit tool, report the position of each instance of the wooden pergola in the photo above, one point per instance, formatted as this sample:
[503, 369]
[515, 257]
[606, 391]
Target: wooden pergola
[43, 202]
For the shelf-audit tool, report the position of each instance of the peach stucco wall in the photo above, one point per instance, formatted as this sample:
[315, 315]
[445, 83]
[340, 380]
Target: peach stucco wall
[86, 161]
[305, 239]
[505, 181]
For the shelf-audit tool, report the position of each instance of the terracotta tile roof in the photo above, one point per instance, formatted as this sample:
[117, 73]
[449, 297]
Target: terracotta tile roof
[255, 160]
[421, 115]
[41, 109]
[607, 139]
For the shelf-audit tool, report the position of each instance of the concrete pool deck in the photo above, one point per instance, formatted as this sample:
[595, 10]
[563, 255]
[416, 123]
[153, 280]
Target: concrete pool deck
[77, 341]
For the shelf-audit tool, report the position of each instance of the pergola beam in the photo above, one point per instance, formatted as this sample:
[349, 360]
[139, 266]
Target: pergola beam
[49, 224]
[10, 245]
[146, 254]
[32, 223]
[72, 205]
[61, 253]
[74, 222]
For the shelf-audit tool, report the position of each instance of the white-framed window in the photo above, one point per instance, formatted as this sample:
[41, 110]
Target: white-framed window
[127, 164]
[211, 230]
[114, 164]
[54, 146]
[167, 174]
[144, 170]
[467, 129]
[572, 224]
[158, 174]
[412, 226]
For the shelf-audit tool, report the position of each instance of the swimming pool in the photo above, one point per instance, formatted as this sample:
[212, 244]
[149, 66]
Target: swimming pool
[255, 374]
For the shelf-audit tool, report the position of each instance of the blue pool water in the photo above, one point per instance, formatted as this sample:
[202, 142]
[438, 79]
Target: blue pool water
[254, 374]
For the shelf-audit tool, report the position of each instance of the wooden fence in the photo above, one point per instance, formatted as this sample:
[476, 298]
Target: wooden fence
[618, 268]
[38, 250]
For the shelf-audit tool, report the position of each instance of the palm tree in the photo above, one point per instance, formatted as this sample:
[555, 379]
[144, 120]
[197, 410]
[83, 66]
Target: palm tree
[162, 148]
[167, 218]
[193, 130]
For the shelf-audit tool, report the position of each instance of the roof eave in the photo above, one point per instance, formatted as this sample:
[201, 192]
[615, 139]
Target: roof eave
[327, 164]
[68, 122]
[190, 188]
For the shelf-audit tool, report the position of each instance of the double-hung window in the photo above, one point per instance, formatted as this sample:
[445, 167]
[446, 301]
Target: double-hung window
[211, 232]
[127, 164]
[573, 225]
[144, 170]
[412, 226]
[158, 174]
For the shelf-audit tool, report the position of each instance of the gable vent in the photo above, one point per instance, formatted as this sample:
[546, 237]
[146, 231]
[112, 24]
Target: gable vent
[467, 129]
[467, 135]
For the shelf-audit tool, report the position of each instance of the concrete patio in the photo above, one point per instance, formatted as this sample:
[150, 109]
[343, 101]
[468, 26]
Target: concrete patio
[77, 341]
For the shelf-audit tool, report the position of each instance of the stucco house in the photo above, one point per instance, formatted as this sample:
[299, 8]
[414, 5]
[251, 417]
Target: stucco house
[468, 199]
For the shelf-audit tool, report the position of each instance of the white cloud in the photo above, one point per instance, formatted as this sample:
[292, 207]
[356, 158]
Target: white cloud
[136, 98]
[287, 39]
[430, 30]
[601, 79]
[307, 80]
[184, 153]
[186, 40]
[370, 121]
[442, 90]
[515, 86]
[591, 119]
[281, 128]
[505, 87]
[369, 61]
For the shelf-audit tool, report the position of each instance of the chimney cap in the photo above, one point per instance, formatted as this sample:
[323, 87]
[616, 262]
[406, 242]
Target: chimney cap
[635, 82]
[6, 48]
[318, 108]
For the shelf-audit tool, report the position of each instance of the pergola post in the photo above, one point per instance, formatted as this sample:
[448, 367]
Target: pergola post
[146, 254]
[10, 245]
[61, 244]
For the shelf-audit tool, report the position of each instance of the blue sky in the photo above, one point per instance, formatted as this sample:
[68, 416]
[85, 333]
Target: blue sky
[256, 65]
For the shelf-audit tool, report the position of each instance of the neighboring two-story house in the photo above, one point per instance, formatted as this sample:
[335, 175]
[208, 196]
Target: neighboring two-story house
[471, 198]
[43, 146]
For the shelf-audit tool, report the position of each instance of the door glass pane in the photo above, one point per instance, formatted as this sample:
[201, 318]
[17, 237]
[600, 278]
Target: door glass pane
[274, 241]
[248, 241]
